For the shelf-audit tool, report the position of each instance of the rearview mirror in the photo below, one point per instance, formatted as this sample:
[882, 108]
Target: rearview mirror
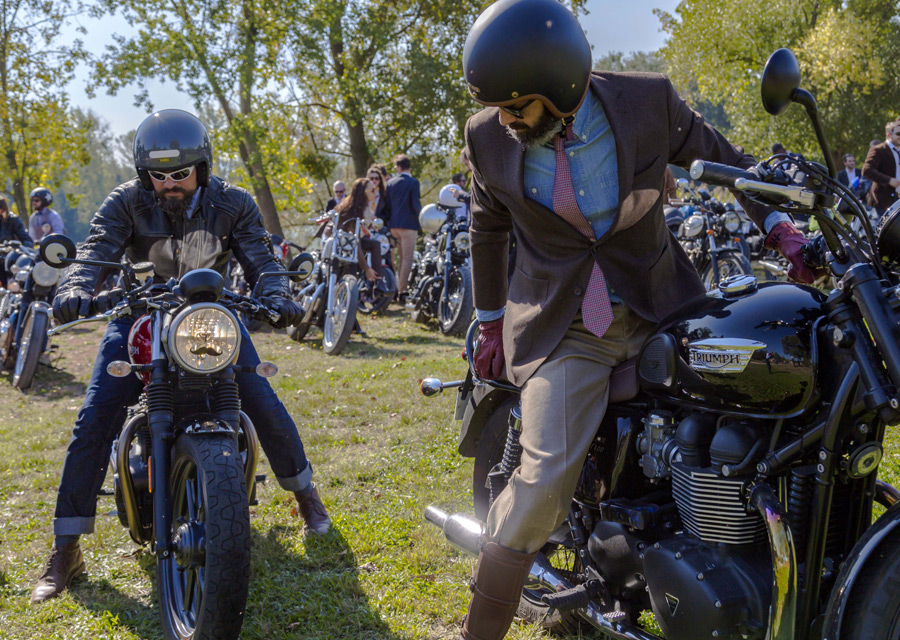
[57, 250]
[302, 266]
[780, 80]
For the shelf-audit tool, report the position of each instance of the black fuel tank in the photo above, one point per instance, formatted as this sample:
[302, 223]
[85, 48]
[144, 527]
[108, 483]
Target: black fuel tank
[752, 354]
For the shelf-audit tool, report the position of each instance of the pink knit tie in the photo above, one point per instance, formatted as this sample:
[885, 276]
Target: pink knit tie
[596, 310]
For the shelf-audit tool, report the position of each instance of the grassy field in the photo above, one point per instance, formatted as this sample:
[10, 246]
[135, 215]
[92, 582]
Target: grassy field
[382, 453]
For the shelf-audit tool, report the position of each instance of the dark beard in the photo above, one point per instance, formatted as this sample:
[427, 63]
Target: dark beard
[540, 134]
[176, 207]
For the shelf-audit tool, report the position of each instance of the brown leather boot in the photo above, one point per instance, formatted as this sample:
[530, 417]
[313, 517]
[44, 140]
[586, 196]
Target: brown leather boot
[496, 589]
[63, 566]
[313, 511]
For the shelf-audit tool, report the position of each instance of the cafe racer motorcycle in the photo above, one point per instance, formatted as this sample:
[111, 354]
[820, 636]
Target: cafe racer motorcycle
[733, 486]
[184, 463]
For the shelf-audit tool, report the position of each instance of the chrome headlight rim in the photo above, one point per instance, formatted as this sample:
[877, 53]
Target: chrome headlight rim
[171, 337]
[45, 275]
[462, 242]
[732, 222]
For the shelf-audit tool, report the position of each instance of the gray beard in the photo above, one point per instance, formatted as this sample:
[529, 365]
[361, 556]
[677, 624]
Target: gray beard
[540, 134]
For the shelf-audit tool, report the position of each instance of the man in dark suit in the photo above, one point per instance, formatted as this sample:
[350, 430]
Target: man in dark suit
[339, 191]
[852, 177]
[882, 167]
[596, 266]
[403, 198]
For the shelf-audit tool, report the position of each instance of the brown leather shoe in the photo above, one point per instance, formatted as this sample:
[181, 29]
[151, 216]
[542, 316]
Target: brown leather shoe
[496, 590]
[313, 511]
[63, 567]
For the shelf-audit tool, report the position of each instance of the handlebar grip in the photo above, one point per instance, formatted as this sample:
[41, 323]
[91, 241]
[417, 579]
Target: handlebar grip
[718, 174]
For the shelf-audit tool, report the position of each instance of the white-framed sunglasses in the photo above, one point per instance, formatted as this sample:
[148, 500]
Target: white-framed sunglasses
[176, 176]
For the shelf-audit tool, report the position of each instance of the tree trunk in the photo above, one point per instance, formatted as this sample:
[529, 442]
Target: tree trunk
[359, 148]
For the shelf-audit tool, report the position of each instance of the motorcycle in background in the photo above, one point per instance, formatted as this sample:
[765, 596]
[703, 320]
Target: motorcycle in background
[711, 236]
[25, 313]
[732, 487]
[376, 296]
[440, 280]
[184, 463]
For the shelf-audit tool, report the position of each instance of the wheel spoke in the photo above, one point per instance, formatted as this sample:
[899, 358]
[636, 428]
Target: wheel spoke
[189, 495]
[190, 584]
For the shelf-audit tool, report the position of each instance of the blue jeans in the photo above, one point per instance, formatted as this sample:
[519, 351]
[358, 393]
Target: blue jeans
[103, 414]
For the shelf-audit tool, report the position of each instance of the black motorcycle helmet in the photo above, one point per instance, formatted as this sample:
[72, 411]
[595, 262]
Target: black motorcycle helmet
[42, 193]
[169, 140]
[528, 49]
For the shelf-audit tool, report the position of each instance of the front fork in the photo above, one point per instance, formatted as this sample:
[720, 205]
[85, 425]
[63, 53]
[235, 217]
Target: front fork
[160, 420]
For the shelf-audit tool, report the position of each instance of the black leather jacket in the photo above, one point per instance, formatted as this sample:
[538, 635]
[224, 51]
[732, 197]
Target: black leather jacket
[226, 221]
[13, 229]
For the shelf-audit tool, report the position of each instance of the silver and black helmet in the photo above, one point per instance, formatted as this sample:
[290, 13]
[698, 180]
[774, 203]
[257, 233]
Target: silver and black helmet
[169, 140]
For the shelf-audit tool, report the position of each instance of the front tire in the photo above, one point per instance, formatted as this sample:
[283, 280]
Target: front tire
[203, 583]
[730, 263]
[339, 324]
[873, 611]
[34, 336]
[455, 309]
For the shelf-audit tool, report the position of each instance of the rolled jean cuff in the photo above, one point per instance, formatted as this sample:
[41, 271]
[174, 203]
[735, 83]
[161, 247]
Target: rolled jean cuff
[299, 482]
[72, 526]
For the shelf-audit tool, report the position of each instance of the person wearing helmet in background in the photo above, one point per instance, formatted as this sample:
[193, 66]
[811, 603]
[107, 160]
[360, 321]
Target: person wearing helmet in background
[574, 162]
[179, 216]
[44, 220]
[454, 198]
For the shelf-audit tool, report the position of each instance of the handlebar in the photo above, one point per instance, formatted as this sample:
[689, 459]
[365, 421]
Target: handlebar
[718, 174]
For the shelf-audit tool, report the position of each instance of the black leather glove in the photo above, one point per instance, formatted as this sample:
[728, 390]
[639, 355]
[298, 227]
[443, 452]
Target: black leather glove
[70, 305]
[291, 312]
[108, 299]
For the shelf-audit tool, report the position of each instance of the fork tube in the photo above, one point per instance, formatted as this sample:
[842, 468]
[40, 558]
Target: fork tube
[160, 416]
[332, 280]
[447, 264]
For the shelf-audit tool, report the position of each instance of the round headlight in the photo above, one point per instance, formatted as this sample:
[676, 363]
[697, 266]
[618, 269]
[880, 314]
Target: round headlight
[204, 338]
[461, 240]
[44, 274]
[732, 221]
[692, 226]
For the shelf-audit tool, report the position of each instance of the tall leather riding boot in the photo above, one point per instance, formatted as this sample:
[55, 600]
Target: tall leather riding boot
[496, 589]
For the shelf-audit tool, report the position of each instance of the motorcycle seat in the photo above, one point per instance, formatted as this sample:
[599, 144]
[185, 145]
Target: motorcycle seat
[623, 381]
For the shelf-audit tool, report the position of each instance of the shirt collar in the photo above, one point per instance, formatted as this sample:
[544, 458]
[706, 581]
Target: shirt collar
[583, 117]
[194, 201]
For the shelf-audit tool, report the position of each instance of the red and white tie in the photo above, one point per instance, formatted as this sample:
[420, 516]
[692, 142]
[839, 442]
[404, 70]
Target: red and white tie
[596, 310]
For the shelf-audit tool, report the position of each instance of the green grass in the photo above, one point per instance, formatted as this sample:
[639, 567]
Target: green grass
[382, 453]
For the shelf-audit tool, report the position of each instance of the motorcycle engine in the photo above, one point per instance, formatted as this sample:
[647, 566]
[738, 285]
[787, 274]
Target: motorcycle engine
[712, 578]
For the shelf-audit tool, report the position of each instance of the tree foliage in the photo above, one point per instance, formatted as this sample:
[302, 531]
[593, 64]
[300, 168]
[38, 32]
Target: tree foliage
[40, 142]
[847, 52]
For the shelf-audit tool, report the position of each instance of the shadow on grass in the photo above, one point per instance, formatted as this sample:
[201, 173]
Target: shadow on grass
[316, 595]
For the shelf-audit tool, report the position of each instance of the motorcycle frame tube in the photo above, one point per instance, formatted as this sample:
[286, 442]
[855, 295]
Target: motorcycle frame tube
[783, 608]
[826, 468]
[332, 281]
[128, 498]
[160, 422]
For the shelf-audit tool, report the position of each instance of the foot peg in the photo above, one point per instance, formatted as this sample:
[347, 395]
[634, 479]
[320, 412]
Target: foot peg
[577, 597]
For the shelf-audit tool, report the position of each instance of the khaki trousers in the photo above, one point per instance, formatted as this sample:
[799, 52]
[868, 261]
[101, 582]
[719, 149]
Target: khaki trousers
[406, 248]
[563, 404]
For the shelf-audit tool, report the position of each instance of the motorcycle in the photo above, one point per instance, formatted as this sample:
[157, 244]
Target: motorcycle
[711, 236]
[440, 283]
[25, 314]
[732, 487]
[184, 463]
[331, 297]
[376, 296]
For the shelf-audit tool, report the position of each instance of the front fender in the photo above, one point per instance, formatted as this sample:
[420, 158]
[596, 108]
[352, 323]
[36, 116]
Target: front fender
[853, 566]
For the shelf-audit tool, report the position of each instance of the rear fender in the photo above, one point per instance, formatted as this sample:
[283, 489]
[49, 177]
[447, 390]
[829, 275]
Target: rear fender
[479, 407]
[863, 552]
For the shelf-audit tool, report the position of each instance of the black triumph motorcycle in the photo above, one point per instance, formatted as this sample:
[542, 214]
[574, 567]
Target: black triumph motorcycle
[184, 463]
[732, 487]
[25, 313]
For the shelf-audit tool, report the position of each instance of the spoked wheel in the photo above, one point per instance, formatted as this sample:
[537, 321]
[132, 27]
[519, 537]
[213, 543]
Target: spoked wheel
[455, 309]
[378, 297]
[565, 559]
[34, 337]
[311, 304]
[873, 609]
[339, 324]
[730, 263]
[203, 583]
[7, 352]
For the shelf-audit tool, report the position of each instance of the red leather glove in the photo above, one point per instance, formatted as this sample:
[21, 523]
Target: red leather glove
[789, 241]
[489, 360]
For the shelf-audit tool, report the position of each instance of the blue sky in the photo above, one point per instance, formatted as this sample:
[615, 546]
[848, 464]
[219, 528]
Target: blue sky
[611, 25]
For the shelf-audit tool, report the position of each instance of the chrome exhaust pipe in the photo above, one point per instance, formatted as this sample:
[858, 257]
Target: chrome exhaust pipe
[465, 532]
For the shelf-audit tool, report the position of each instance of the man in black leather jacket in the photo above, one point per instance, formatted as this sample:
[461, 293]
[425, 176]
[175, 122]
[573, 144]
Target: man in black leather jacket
[179, 217]
[11, 228]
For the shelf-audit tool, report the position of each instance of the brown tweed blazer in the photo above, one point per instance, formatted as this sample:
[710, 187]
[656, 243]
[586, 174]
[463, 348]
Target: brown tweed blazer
[641, 260]
[880, 167]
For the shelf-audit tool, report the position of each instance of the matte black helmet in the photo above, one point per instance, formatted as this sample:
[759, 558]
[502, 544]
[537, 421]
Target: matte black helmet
[42, 193]
[523, 49]
[169, 140]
